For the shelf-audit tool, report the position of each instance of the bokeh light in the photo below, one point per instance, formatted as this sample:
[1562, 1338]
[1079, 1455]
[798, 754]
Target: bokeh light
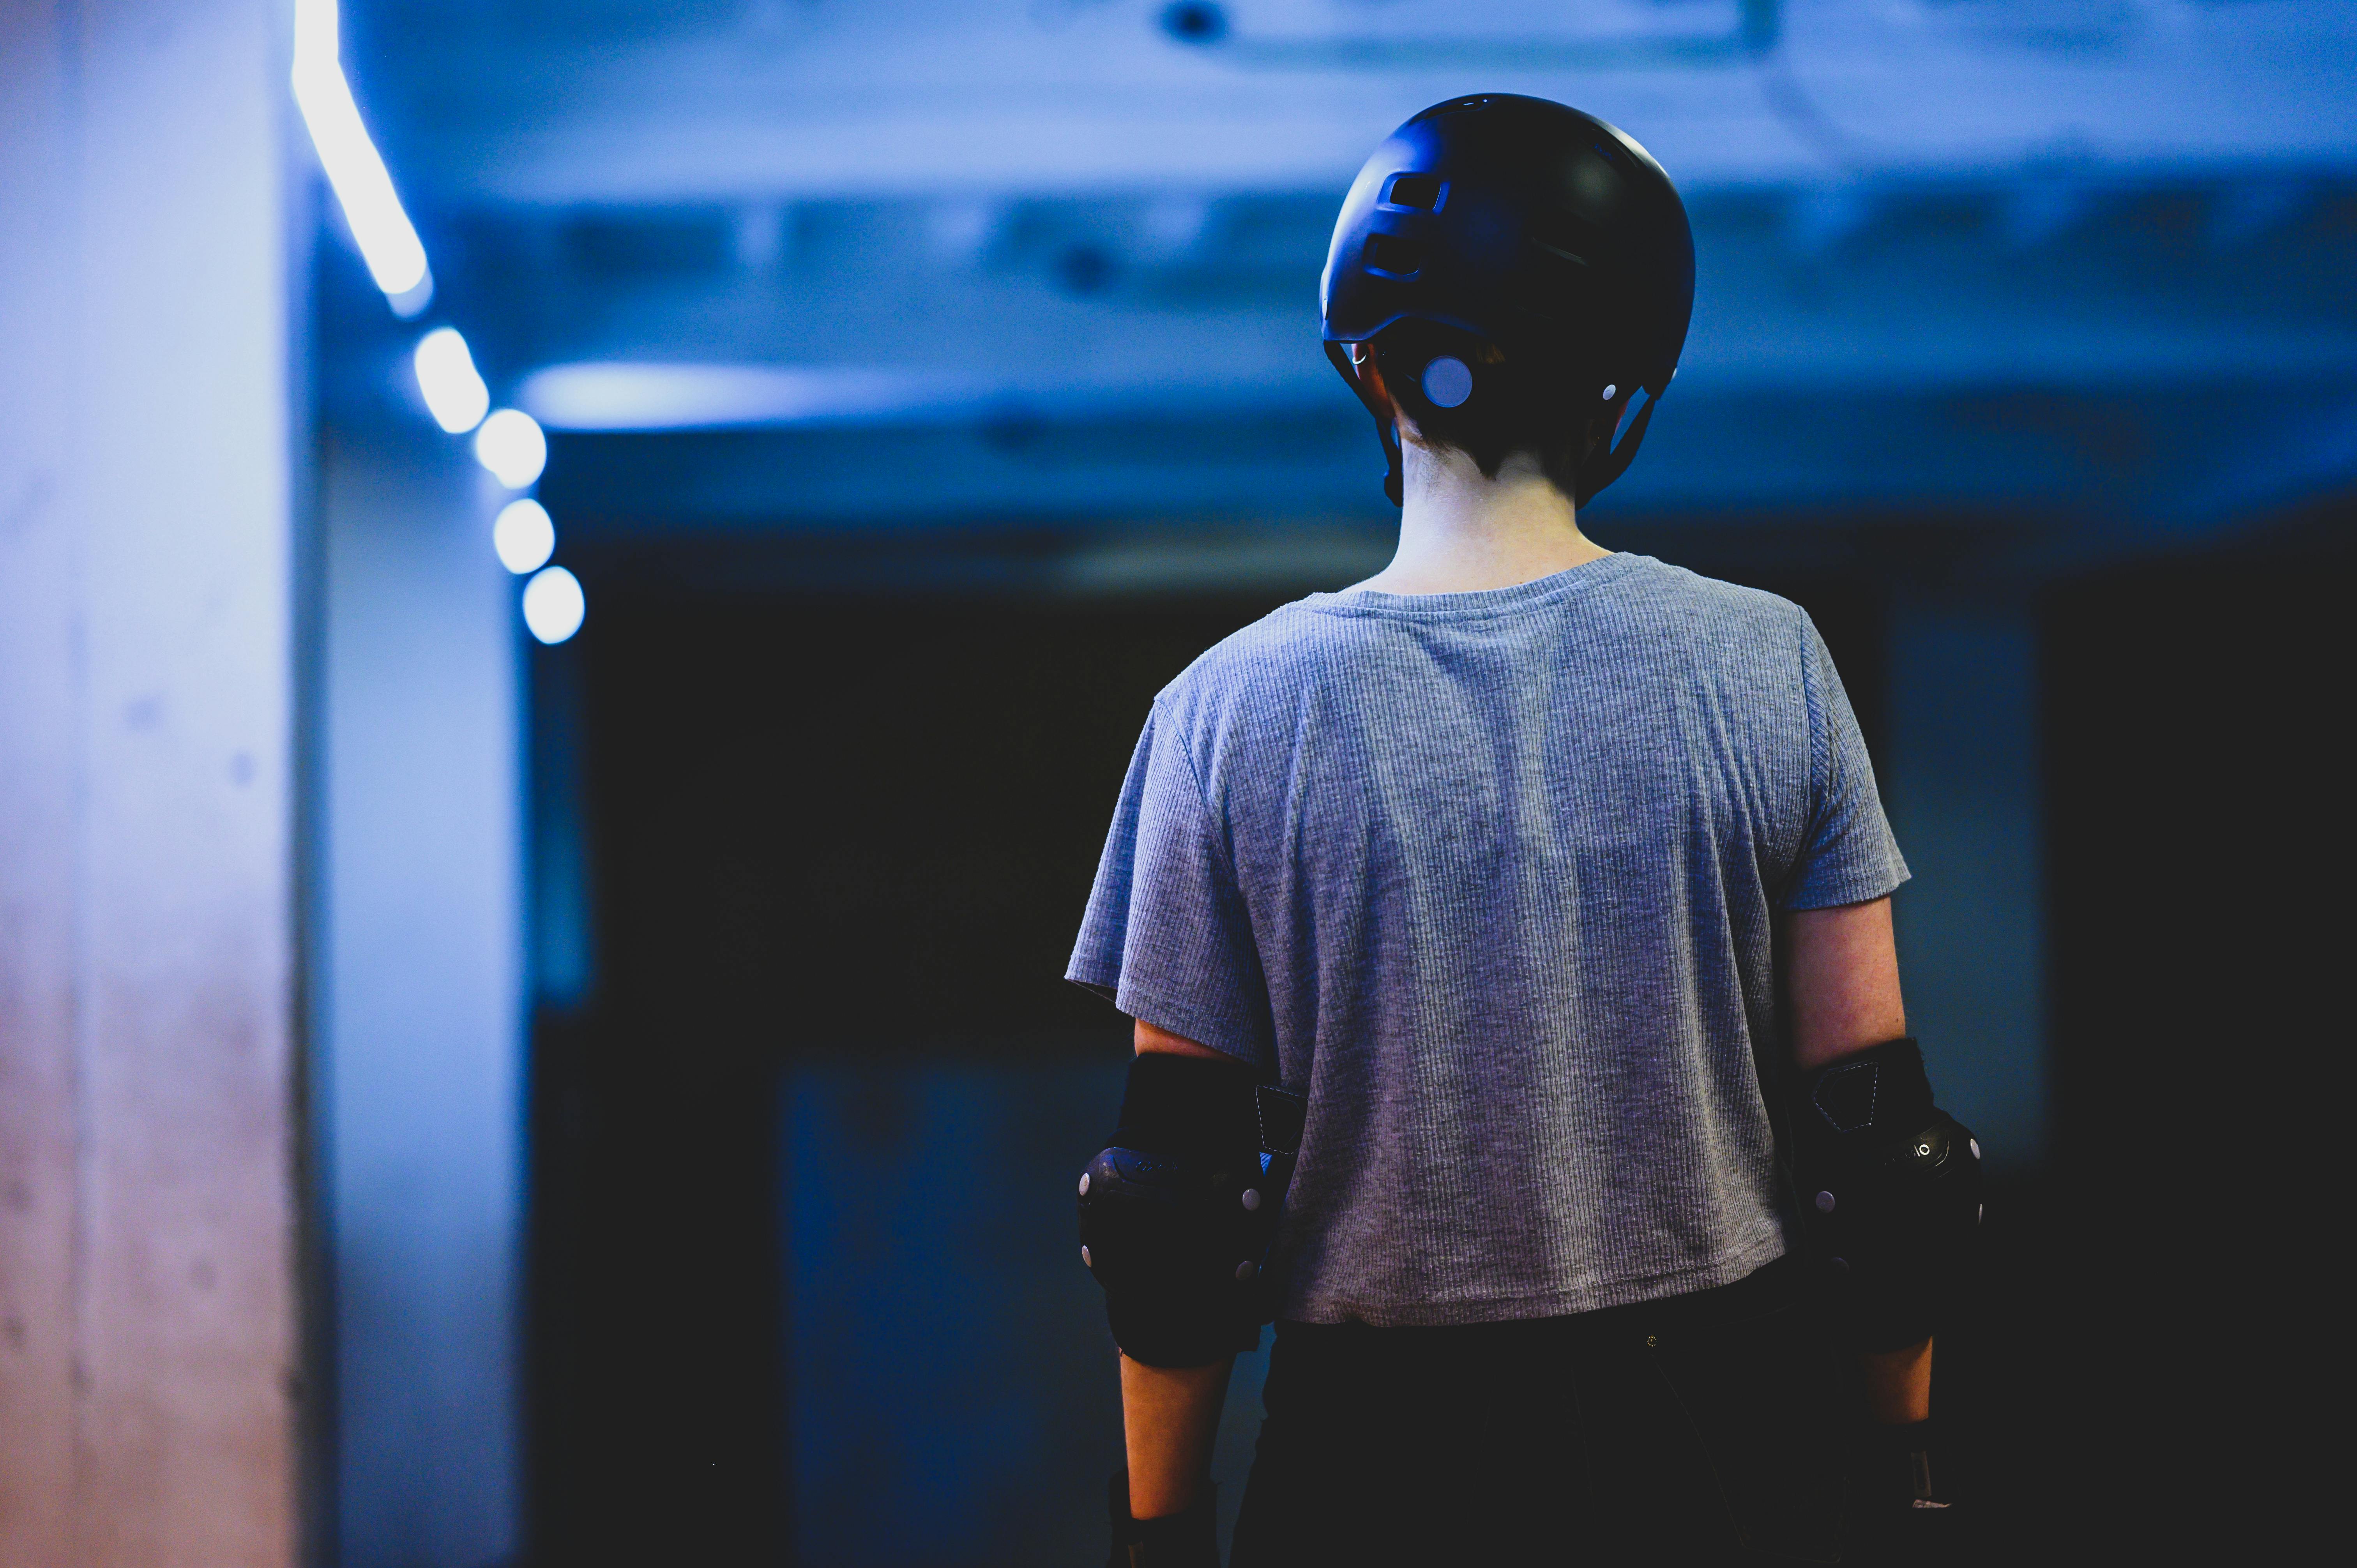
[524, 535]
[554, 605]
[512, 446]
[454, 388]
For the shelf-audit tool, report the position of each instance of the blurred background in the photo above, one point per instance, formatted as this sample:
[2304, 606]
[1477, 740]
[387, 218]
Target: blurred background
[577, 582]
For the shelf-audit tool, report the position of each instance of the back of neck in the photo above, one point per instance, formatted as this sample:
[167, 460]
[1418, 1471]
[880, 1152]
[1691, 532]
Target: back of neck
[1461, 532]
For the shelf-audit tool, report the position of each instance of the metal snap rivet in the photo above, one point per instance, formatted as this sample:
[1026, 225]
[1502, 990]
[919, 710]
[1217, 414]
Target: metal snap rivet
[1085, 1184]
[1252, 1198]
[1244, 1270]
[1824, 1203]
[1092, 1262]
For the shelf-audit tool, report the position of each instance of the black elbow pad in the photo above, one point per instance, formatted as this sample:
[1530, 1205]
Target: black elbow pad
[1889, 1191]
[1179, 1211]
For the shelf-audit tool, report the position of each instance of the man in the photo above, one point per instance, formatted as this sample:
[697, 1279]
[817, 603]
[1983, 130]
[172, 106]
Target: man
[1508, 939]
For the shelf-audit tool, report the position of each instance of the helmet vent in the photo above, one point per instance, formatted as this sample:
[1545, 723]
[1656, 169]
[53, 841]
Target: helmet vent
[1420, 191]
[1393, 257]
[1561, 234]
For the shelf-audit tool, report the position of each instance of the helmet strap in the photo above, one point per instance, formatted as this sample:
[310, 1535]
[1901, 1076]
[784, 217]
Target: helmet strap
[1610, 464]
[1394, 485]
[1386, 430]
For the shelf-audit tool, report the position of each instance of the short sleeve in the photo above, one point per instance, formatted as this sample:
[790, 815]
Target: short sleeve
[1166, 936]
[1847, 855]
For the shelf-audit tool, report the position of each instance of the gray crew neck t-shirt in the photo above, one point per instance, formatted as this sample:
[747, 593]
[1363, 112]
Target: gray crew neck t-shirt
[1491, 876]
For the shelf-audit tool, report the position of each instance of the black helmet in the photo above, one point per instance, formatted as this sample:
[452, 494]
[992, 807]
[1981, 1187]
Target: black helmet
[1542, 231]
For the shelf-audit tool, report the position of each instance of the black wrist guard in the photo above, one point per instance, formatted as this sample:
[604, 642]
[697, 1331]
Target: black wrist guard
[1889, 1191]
[1188, 1539]
[1177, 1213]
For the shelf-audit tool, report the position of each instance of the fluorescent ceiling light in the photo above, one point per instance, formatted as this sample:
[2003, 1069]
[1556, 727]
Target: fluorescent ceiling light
[395, 256]
[711, 397]
[621, 396]
[455, 392]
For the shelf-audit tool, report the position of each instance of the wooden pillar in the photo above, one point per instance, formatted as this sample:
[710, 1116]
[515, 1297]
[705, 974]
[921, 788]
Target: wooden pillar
[147, 1302]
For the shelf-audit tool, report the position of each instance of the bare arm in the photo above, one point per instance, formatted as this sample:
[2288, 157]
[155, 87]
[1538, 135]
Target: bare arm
[1149, 1039]
[1842, 981]
[1170, 1415]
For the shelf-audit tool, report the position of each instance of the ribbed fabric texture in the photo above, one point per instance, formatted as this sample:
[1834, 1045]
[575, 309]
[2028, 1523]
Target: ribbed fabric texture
[1489, 876]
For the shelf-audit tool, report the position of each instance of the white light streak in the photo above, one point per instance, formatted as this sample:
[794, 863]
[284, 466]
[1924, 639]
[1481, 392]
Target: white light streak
[511, 445]
[552, 605]
[455, 392]
[524, 535]
[395, 256]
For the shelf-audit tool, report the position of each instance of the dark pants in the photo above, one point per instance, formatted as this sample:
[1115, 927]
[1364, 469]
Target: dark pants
[1701, 1429]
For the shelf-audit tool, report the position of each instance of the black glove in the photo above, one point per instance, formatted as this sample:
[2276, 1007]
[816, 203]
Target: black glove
[1185, 1540]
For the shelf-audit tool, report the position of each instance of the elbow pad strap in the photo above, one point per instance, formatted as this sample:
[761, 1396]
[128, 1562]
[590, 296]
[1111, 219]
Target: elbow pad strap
[1889, 1191]
[1178, 1210]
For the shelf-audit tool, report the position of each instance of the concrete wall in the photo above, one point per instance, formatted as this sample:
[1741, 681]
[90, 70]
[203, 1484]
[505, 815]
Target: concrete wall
[420, 1054]
[148, 1357]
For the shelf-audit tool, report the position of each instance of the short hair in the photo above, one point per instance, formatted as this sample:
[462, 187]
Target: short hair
[1514, 407]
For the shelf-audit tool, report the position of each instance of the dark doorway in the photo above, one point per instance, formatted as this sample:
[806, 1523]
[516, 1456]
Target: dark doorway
[2172, 1305]
[842, 846]
[801, 1164]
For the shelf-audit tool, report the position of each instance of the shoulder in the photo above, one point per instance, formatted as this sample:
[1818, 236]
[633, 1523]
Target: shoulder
[1712, 603]
[1263, 662]
[1247, 691]
[1749, 651]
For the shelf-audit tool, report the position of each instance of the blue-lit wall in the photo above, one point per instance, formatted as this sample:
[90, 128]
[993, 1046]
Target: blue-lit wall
[418, 1047]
